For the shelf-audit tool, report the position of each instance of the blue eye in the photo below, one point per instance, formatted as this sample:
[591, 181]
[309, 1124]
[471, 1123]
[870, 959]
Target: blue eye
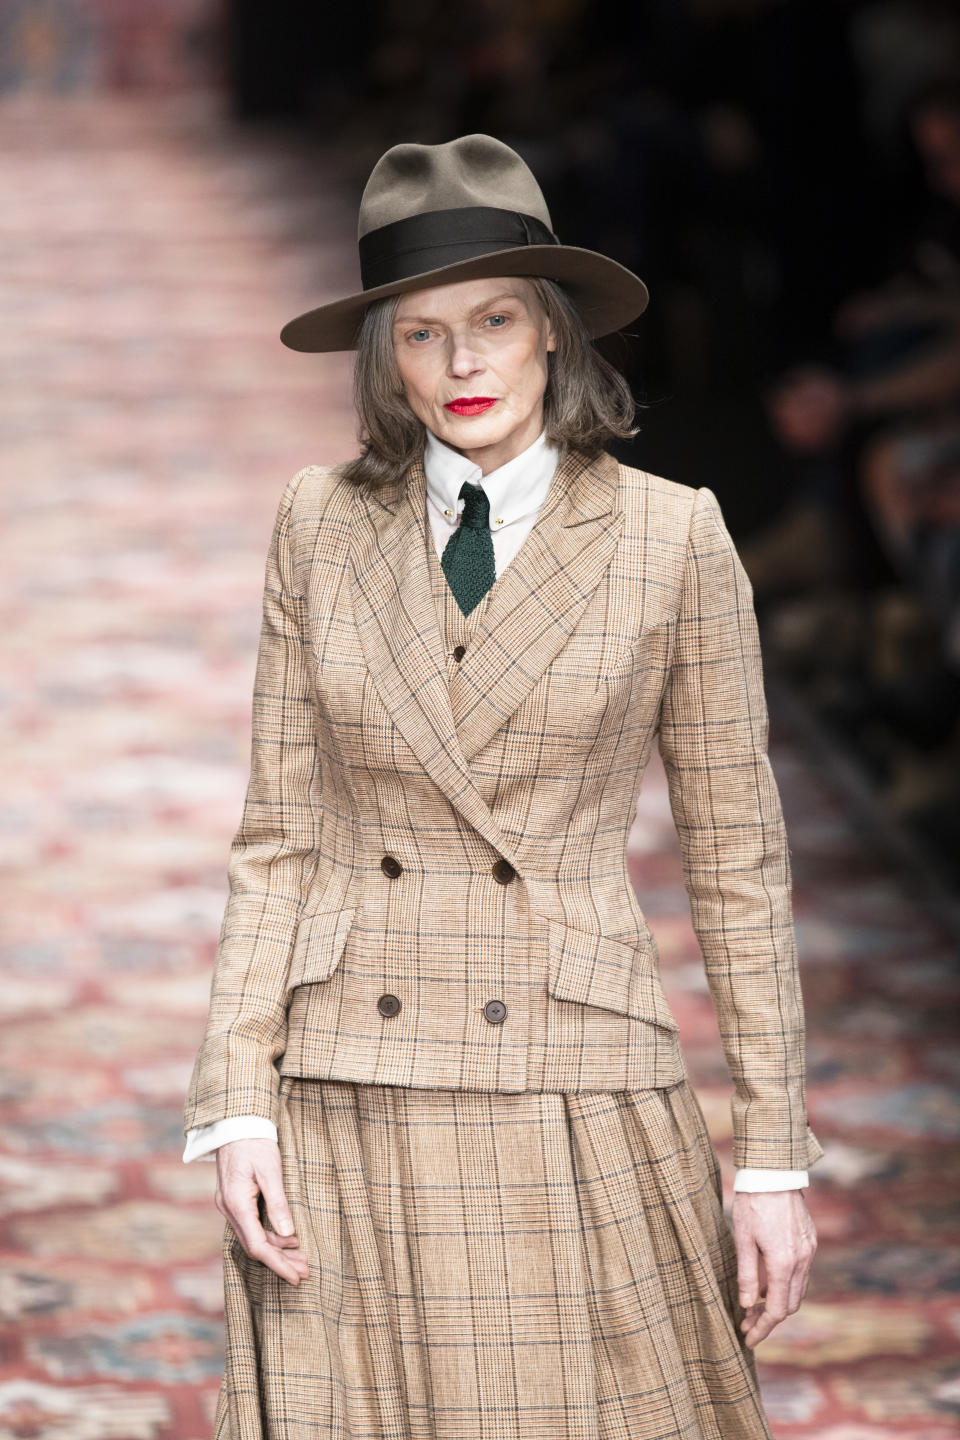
[419, 332]
[503, 318]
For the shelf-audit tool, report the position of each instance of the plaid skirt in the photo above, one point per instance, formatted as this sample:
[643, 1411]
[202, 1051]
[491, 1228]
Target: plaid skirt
[486, 1266]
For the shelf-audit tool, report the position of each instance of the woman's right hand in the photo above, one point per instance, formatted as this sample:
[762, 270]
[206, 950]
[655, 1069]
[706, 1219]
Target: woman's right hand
[245, 1168]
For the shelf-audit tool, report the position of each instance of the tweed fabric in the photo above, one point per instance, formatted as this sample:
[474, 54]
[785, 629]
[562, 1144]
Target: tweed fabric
[542, 1266]
[624, 621]
[468, 560]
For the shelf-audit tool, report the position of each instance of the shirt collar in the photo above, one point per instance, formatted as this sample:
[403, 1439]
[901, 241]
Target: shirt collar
[514, 489]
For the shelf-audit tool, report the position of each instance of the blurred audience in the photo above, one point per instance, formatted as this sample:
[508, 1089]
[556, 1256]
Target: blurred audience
[878, 436]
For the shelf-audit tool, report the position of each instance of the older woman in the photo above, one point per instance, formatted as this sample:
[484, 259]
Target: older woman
[470, 1192]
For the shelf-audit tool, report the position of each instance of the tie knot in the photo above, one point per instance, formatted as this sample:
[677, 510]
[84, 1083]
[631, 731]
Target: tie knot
[476, 507]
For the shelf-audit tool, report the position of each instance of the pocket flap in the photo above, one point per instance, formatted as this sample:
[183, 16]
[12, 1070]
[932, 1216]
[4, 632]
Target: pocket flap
[595, 970]
[319, 946]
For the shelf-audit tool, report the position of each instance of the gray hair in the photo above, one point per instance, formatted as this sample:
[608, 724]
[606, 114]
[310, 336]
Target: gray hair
[586, 402]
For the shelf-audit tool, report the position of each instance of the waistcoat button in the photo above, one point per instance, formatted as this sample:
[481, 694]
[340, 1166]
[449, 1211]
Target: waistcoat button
[459, 651]
[503, 871]
[391, 866]
[388, 1004]
[495, 1011]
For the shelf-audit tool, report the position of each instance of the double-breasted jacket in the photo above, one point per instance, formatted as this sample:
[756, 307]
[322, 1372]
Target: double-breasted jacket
[428, 886]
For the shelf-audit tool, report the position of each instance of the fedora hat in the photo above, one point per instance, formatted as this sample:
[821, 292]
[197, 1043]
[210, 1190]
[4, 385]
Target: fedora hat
[469, 209]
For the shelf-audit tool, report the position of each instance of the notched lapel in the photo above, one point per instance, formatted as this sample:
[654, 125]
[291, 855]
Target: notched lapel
[397, 622]
[538, 599]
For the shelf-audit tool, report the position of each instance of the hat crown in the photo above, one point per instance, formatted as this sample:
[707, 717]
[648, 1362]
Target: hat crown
[412, 179]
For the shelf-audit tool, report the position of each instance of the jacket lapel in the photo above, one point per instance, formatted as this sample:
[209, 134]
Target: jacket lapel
[538, 599]
[400, 636]
[530, 613]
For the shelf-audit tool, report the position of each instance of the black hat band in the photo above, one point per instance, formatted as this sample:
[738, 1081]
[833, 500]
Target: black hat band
[436, 238]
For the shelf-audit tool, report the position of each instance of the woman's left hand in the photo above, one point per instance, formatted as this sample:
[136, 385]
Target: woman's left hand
[776, 1241]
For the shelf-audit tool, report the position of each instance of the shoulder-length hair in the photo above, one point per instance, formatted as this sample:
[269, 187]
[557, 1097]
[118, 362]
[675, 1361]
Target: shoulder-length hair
[587, 402]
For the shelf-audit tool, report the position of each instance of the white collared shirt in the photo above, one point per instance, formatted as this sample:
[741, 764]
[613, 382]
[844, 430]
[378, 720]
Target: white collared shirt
[516, 491]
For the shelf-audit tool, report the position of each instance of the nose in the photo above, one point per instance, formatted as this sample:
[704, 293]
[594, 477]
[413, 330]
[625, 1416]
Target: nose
[463, 361]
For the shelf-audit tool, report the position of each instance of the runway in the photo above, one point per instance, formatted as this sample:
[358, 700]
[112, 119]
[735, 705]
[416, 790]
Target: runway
[149, 254]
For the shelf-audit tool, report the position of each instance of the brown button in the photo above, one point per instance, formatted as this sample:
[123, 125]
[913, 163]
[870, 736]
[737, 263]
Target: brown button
[495, 1011]
[503, 871]
[459, 651]
[391, 866]
[388, 1004]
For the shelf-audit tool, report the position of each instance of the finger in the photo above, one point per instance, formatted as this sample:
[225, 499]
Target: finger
[291, 1250]
[760, 1330]
[778, 1294]
[282, 1242]
[795, 1293]
[799, 1282]
[774, 1311]
[748, 1273]
[270, 1178]
[757, 1324]
[278, 1261]
[256, 1242]
[295, 1252]
[243, 1216]
[240, 1208]
[289, 1244]
[295, 1258]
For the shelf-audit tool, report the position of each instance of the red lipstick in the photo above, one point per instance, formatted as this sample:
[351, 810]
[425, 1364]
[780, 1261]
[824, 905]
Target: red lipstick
[470, 404]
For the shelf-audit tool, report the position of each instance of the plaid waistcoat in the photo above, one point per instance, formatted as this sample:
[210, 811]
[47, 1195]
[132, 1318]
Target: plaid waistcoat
[428, 886]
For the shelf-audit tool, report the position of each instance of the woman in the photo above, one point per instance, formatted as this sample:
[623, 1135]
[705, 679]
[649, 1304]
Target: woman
[469, 1189]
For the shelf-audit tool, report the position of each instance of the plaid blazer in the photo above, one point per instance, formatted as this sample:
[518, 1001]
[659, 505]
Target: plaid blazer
[428, 886]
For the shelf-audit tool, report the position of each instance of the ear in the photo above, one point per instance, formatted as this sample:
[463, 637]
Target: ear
[551, 341]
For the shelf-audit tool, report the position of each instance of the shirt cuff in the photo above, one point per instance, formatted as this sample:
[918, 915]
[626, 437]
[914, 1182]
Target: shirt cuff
[758, 1180]
[202, 1142]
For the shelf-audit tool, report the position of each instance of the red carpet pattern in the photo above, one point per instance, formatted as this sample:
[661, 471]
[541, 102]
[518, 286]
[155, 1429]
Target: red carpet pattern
[150, 420]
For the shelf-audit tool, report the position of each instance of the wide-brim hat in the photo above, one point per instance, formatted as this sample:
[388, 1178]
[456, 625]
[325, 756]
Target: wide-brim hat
[469, 209]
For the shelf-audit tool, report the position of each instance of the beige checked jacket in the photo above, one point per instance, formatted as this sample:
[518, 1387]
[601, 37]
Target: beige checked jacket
[428, 886]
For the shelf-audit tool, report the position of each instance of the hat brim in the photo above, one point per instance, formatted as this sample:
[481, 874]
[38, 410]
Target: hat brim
[606, 293]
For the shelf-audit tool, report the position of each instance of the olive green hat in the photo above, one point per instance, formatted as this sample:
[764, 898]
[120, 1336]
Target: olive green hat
[468, 209]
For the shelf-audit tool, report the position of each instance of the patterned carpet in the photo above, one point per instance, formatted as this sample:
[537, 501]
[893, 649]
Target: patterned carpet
[150, 420]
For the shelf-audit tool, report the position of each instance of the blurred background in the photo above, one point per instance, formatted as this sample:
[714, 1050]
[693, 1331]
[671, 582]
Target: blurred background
[179, 179]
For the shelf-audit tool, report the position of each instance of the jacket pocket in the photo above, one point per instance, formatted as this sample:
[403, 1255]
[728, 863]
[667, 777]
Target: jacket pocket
[319, 947]
[611, 974]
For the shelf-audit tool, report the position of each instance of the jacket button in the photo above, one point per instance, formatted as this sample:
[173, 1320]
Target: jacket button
[495, 1011]
[503, 871]
[388, 1004]
[459, 651]
[391, 866]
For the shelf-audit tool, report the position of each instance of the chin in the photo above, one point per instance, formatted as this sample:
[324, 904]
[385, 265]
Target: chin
[475, 430]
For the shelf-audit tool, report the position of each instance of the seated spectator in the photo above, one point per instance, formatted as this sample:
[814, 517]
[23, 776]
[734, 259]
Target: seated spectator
[883, 428]
[902, 386]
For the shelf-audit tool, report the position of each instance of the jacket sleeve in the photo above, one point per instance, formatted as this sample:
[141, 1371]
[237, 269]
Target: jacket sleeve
[736, 862]
[273, 857]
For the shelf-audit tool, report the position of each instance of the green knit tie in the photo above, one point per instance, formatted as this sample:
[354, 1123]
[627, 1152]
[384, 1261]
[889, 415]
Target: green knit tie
[468, 557]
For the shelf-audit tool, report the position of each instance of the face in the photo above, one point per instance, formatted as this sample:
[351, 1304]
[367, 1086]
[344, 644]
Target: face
[484, 341]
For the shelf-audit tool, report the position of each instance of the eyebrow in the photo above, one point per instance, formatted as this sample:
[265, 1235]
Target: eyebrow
[484, 305]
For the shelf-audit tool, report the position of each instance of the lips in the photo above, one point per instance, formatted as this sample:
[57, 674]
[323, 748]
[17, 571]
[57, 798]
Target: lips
[470, 405]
